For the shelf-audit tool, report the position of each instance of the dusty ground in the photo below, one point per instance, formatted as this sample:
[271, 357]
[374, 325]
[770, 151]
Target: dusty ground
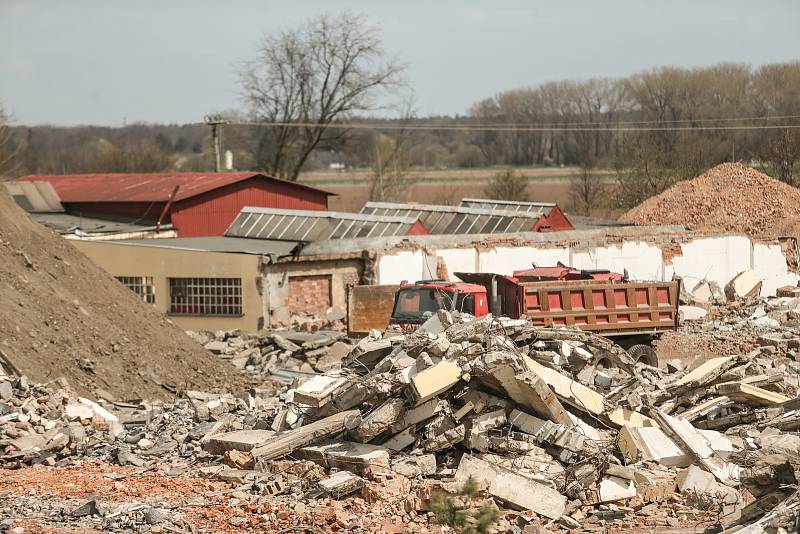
[61, 315]
[47, 496]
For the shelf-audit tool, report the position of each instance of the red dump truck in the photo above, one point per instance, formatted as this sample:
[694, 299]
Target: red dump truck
[594, 300]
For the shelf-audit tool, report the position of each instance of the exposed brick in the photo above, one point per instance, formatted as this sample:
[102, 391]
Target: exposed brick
[309, 294]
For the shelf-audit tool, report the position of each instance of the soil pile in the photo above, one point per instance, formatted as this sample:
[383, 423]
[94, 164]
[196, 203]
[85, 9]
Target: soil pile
[61, 315]
[730, 197]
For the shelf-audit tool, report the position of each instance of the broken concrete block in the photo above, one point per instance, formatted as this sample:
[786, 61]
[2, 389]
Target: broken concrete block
[415, 466]
[445, 440]
[744, 286]
[695, 479]
[401, 440]
[788, 291]
[380, 420]
[624, 417]
[347, 455]
[570, 391]
[519, 491]
[548, 432]
[750, 394]
[422, 412]
[435, 380]
[240, 440]
[341, 483]
[704, 373]
[639, 444]
[479, 425]
[283, 443]
[525, 494]
[319, 390]
[616, 488]
[692, 313]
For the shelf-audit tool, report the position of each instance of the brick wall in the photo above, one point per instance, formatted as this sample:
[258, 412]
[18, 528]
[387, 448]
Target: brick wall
[309, 294]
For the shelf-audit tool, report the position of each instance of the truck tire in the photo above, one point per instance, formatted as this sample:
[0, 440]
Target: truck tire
[645, 354]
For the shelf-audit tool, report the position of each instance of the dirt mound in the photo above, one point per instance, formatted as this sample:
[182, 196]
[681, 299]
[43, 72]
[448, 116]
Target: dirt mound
[61, 315]
[730, 197]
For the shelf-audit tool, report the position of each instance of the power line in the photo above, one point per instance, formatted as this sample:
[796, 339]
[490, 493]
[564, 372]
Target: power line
[512, 128]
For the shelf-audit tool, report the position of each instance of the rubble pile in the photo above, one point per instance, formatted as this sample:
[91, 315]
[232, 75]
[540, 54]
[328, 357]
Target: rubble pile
[542, 428]
[730, 197]
[278, 354]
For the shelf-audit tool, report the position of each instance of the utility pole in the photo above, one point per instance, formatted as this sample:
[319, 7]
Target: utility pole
[215, 121]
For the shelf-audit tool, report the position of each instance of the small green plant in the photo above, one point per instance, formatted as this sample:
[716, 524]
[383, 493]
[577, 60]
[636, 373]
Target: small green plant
[453, 510]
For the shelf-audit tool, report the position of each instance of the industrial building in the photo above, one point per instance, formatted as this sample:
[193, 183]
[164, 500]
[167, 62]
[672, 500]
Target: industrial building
[477, 216]
[194, 204]
[233, 282]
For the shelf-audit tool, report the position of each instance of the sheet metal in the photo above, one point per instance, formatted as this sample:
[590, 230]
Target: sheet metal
[535, 208]
[455, 220]
[306, 226]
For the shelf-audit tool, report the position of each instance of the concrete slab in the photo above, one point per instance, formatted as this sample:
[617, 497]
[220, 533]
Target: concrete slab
[570, 391]
[435, 380]
[240, 440]
[346, 455]
[639, 444]
[616, 489]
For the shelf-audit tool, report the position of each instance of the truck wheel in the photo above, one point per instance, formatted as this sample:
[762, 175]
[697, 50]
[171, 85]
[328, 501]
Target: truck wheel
[645, 354]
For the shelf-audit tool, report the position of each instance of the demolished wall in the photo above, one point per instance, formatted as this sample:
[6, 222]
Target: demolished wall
[714, 258]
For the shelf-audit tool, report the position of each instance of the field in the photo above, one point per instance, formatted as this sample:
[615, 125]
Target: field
[446, 186]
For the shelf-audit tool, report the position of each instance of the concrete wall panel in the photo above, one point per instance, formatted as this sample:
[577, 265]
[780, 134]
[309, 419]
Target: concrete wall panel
[402, 265]
[506, 260]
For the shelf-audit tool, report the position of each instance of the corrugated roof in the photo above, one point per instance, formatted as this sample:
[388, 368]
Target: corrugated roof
[536, 208]
[456, 219]
[301, 225]
[145, 187]
[35, 197]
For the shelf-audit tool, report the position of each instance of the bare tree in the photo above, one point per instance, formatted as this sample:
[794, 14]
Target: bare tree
[390, 180]
[782, 154]
[507, 185]
[587, 191]
[305, 79]
[10, 148]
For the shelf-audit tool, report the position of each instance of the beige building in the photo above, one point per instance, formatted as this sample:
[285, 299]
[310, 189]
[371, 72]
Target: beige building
[223, 283]
[198, 289]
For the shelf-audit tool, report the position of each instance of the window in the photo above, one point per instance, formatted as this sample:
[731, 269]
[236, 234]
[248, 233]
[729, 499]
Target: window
[205, 296]
[141, 285]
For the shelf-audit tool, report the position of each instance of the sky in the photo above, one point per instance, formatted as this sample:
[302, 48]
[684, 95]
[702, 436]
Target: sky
[111, 62]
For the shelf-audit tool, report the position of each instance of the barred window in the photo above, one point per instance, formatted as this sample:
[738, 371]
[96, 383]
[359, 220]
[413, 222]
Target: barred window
[141, 285]
[205, 296]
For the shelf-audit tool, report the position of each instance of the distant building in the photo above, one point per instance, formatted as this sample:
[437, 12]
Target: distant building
[194, 204]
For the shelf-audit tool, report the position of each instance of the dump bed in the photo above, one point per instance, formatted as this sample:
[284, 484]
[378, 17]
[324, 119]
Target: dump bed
[606, 307]
[623, 308]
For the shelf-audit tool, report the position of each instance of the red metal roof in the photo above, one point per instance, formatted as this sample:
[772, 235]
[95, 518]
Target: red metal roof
[145, 187]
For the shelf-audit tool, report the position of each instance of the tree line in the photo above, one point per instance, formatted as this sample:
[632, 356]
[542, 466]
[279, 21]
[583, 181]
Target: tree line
[305, 85]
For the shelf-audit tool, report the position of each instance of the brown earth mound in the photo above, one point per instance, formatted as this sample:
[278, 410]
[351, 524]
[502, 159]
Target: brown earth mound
[61, 315]
[730, 197]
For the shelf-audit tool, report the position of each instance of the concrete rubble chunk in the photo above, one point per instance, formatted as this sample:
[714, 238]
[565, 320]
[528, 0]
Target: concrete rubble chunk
[478, 426]
[639, 444]
[240, 440]
[616, 489]
[346, 455]
[435, 380]
[415, 466]
[520, 492]
[745, 285]
[570, 391]
[419, 413]
[750, 394]
[379, 420]
[283, 443]
[341, 483]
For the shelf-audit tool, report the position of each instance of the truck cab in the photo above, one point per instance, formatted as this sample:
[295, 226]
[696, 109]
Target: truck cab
[416, 303]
